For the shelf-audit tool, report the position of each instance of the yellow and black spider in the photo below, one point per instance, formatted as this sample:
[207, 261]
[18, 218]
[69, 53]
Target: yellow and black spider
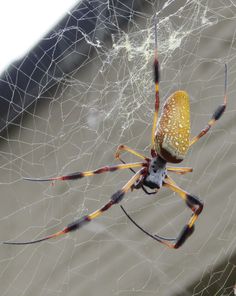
[169, 143]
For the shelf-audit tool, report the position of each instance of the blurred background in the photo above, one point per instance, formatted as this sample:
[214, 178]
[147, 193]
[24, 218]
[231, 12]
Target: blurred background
[77, 91]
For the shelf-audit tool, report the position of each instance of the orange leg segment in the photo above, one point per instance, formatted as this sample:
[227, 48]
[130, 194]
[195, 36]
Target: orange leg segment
[180, 170]
[123, 148]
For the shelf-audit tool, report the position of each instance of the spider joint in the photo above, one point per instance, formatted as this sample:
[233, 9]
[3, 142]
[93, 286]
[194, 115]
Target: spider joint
[117, 197]
[185, 233]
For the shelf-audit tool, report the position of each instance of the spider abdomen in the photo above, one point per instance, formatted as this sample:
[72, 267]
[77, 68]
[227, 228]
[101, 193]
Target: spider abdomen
[173, 128]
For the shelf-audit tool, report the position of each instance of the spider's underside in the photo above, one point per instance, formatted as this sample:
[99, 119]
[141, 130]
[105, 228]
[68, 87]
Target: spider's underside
[156, 173]
[170, 141]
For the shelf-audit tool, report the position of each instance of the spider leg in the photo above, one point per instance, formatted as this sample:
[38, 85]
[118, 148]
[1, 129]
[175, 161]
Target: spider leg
[156, 80]
[79, 175]
[194, 203]
[216, 115]
[115, 199]
[157, 238]
[122, 148]
[179, 170]
[161, 239]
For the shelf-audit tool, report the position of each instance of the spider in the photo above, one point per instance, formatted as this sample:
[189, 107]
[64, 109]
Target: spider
[170, 141]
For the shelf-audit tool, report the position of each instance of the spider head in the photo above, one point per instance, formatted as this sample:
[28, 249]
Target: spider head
[156, 173]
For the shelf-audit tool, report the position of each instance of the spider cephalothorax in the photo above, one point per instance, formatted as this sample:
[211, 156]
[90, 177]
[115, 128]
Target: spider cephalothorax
[156, 173]
[170, 141]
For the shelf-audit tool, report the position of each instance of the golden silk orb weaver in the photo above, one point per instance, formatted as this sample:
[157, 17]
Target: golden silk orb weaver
[170, 141]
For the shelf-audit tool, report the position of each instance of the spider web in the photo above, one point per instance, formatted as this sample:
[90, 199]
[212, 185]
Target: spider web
[77, 126]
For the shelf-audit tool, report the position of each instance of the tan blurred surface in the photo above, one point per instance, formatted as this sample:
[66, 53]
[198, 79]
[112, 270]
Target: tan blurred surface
[78, 127]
